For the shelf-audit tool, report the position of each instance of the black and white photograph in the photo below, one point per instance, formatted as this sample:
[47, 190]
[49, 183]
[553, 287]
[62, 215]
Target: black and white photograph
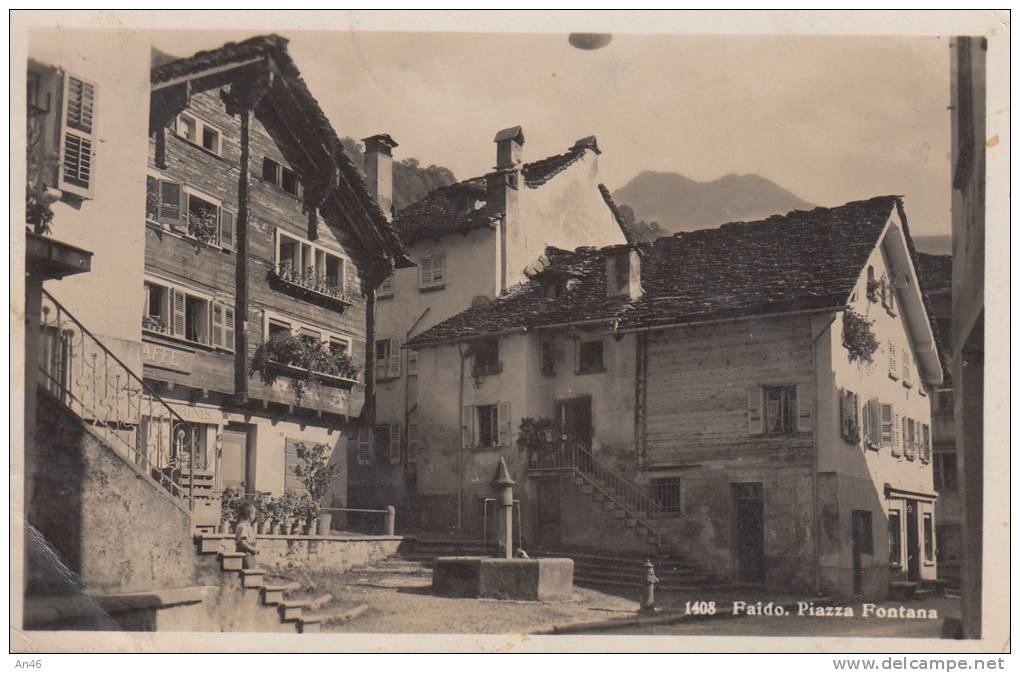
[354, 331]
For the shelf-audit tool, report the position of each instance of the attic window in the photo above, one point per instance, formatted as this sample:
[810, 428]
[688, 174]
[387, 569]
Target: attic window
[280, 176]
[198, 132]
[554, 288]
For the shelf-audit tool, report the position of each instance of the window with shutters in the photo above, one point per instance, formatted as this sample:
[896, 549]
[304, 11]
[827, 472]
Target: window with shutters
[780, 409]
[433, 272]
[897, 435]
[157, 316]
[872, 421]
[183, 313]
[393, 443]
[488, 426]
[76, 174]
[188, 212]
[891, 353]
[925, 442]
[887, 425]
[909, 439]
[363, 446]
[848, 412]
[312, 334]
[387, 359]
[199, 132]
[906, 368]
[590, 357]
[222, 325]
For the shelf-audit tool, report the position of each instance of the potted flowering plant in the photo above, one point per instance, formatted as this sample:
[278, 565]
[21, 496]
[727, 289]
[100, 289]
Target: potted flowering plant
[317, 475]
[263, 512]
[284, 514]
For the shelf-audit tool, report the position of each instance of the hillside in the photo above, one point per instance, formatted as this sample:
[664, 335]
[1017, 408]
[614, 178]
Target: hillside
[678, 203]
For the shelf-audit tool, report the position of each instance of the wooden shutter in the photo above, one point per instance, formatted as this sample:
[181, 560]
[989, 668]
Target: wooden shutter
[803, 409]
[217, 324]
[364, 446]
[77, 137]
[897, 435]
[503, 423]
[874, 433]
[755, 420]
[394, 442]
[226, 229]
[892, 360]
[170, 202]
[395, 354]
[228, 327]
[151, 198]
[178, 312]
[925, 442]
[467, 427]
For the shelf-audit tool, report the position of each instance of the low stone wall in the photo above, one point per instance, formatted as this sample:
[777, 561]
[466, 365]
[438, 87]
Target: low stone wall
[318, 553]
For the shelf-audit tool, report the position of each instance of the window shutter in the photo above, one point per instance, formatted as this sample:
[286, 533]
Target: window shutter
[77, 137]
[169, 202]
[351, 284]
[395, 354]
[875, 423]
[755, 422]
[503, 420]
[228, 327]
[925, 442]
[217, 324]
[151, 198]
[467, 427]
[364, 446]
[803, 421]
[226, 229]
[892, 360]
[395, 443]
[178, 313]
[897, 435]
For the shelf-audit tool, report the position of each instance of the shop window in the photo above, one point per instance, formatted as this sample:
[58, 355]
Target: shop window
[929, 541]
[895, 539]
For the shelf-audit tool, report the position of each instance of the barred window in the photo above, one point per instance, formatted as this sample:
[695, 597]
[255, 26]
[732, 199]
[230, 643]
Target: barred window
[666, 491]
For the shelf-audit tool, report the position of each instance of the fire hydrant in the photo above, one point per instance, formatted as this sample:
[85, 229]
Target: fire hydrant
[648, 600]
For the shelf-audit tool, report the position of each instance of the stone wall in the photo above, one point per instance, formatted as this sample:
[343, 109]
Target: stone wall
[318, 553]
[109, 523]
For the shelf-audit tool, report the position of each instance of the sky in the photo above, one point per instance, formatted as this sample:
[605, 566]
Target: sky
[829, 118]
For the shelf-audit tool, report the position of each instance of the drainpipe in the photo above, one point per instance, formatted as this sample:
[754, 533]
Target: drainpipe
[814, 471]
[460, 440]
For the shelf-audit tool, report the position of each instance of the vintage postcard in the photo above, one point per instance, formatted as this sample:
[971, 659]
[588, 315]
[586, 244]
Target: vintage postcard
[406, 331]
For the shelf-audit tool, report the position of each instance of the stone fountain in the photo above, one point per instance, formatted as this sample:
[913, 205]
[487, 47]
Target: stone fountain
[503, 576]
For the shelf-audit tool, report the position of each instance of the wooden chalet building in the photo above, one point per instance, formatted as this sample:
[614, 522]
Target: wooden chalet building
[753, 399]
[261, 242]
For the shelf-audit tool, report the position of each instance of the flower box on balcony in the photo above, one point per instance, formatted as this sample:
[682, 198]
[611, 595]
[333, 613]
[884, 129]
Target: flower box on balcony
[310, 287]
[333, 380]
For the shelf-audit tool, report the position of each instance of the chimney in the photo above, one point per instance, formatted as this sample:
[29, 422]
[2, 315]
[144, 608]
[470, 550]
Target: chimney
[623, 272]
[501, 188]
[379, 170]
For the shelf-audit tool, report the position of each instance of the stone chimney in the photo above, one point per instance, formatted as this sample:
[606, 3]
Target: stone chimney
[502, 189]
[623, 272]
[379, 170]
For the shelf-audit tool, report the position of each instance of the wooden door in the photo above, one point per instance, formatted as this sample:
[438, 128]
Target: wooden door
[750, 531]
[862, 544]
[913, 543]
[233, 460]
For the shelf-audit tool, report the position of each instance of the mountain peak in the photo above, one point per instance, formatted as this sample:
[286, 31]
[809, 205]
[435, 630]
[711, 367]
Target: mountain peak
[679, 203]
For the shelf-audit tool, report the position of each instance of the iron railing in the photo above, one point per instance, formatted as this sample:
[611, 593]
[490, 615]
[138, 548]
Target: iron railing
[579, 459]
[101, 390]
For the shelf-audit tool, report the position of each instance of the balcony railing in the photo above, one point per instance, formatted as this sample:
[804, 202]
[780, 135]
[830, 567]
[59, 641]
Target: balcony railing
[101, 390]
[312, 280]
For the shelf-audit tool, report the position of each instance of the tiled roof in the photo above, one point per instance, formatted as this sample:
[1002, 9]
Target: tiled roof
[462, 206]
[275, 47]
[801, 261]
[935, 272]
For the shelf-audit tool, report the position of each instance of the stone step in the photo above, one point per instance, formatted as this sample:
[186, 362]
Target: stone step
[587, 489]
[599, 497]
[252, 578]
[309, 624]
[272, 594]
[207, 545]
[233, 560]
[292, 610]
[609, 505]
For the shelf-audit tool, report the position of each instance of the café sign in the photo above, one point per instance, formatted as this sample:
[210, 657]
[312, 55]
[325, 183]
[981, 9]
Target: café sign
[165, 357]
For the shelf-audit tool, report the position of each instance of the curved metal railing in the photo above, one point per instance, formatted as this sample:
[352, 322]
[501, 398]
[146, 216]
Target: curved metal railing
[101, 390]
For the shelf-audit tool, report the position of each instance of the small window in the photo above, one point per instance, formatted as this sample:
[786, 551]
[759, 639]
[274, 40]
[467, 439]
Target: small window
[289, 181]
[944, 469]
[488, 426]
[895, 539]
[486, 357]
[196, 131]
[211, 139]
[909, 439]
[667, 493]
[925, 439]
[338, 346]
[383, 355]
[385, 289]
[906, 368]
[187, 128]
[929, 542]
[203, 219]
[547, 357]
[780, 409]
[270, 171]
[157, 308]
[590, 357]
[432, 272]
[275, 327]
[944, 400]
[872, 285]
[196, 319]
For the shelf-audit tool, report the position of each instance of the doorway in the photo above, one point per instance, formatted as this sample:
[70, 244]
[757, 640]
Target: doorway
[575, 422]
[913, 544]
[547, 500]
[862, 544]
[233, 467]
[749, 517]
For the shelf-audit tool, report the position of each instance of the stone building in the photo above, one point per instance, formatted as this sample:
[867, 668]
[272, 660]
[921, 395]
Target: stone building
[755, 397]
[471, 241]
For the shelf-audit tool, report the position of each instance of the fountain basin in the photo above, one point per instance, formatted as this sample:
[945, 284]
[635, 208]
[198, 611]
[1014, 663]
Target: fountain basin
[538, 579]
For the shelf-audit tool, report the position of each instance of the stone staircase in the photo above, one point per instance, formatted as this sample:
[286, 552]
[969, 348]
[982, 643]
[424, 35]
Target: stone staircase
[295, 613]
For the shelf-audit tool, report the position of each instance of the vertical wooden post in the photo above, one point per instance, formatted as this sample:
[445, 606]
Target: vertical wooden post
[241, 255]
